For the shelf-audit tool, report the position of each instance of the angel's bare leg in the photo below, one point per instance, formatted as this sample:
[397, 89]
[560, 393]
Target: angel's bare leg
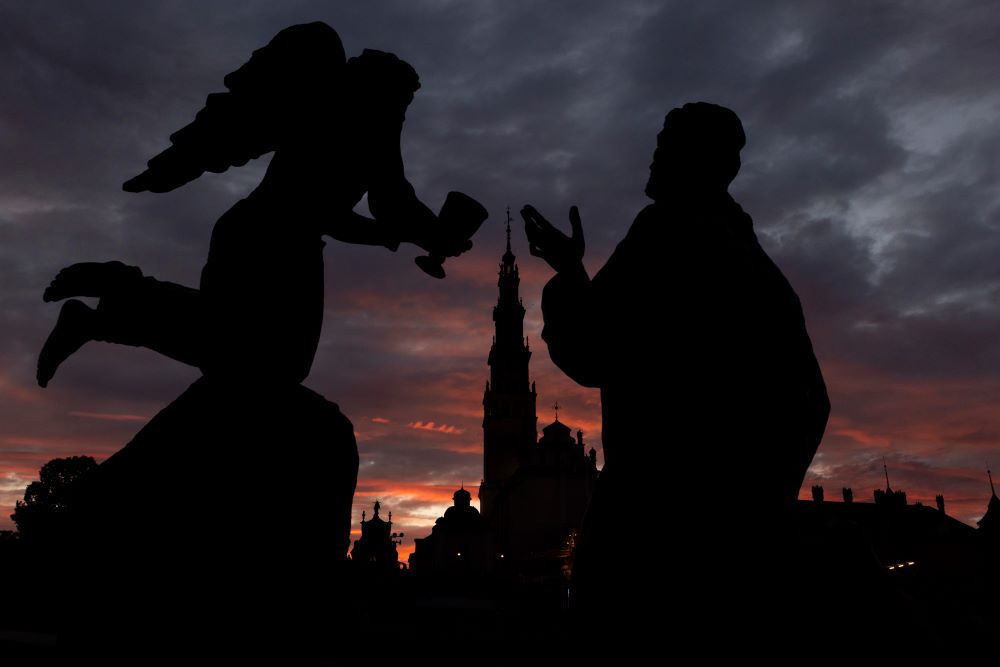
[75, 326]
[133, 310]
[90, 279]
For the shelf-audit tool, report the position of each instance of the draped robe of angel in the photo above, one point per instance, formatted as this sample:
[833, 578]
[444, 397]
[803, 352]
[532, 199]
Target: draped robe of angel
[334, 127]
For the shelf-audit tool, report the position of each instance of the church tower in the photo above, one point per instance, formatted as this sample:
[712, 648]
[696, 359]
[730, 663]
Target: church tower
[509, 420]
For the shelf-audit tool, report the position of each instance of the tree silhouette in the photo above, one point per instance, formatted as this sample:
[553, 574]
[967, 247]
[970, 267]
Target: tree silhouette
[8, 543]
[43, 511]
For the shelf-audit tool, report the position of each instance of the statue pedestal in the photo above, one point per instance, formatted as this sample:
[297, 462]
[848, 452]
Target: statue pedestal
[226, 516]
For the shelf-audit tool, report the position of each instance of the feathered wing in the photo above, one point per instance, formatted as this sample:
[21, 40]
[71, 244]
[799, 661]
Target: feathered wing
[269, 99]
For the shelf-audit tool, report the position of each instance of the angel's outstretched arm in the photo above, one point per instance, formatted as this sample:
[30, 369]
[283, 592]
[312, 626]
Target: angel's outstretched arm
[361, 230]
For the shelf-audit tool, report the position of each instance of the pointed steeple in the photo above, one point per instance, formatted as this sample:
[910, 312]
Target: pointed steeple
[510, 422]
[507, 264]
[508, 229]
[510, 353]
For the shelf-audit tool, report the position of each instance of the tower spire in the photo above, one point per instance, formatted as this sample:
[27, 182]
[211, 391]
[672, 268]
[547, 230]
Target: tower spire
[509, 417]
[990, 475]
[508, 229]
[885, 469]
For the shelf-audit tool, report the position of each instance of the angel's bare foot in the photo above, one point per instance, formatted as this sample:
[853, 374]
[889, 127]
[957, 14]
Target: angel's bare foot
[73, 328]
[89, 279]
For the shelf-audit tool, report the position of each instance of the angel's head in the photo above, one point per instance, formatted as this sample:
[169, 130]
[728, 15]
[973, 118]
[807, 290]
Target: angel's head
[381, 84]
[292, 63]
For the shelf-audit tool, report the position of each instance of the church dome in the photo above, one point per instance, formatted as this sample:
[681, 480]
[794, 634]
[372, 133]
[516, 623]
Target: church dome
[557, 433]
[462, 496]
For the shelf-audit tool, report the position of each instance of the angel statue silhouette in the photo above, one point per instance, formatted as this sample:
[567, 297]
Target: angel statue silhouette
[334, 127]
[160, 524]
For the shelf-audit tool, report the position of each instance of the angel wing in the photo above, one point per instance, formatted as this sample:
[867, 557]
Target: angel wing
[301, 68]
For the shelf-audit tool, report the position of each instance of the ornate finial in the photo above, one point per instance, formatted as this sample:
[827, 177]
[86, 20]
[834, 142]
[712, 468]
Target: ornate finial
[508, 229]
[990, 475]
[390, 517]
[556, 407]
[362, 516]
[378, 505]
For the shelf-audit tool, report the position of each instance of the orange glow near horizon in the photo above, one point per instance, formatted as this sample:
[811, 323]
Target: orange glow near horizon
[913, 427]
[108, 416]
[440, 428]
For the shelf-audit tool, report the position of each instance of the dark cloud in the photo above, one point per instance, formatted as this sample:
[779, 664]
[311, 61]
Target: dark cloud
[870, 171]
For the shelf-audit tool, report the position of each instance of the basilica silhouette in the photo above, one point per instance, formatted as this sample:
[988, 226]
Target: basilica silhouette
[534, 491]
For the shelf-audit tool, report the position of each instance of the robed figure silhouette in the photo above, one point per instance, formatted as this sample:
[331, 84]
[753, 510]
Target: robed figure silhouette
[180, 518]
[713, 401]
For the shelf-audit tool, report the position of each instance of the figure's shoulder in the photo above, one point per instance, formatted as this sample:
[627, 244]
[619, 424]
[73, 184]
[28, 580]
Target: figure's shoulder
[642, 241]
[660, 225]
[650, 214]
[648, 222]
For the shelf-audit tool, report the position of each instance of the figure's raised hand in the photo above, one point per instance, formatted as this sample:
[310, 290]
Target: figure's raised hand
[563, 253]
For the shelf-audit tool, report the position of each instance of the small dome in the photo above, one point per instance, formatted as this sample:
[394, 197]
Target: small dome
[557, 430]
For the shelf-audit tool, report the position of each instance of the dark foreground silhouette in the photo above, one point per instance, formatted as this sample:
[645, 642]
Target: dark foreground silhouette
[173, 523]
[183, 545]
[698, 344]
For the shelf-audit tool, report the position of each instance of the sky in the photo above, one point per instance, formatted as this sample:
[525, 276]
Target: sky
[870, 170]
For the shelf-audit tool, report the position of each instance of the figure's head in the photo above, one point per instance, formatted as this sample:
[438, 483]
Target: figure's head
[698, 149]
[381, 83]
